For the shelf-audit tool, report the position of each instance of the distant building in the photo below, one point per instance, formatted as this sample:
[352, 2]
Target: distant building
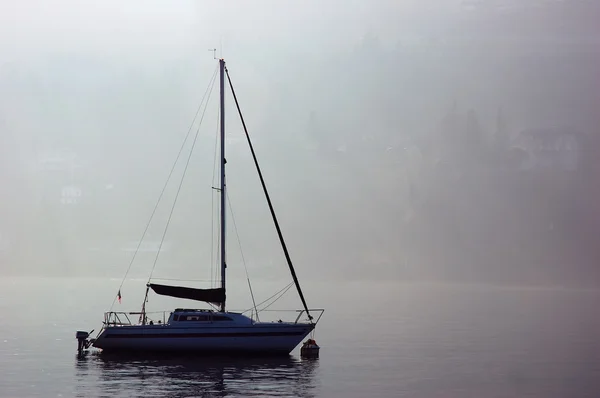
[62, 160]
[70, 195]
[558, 149]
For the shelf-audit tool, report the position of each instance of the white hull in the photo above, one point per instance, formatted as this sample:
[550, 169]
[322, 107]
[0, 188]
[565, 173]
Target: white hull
[258, 338]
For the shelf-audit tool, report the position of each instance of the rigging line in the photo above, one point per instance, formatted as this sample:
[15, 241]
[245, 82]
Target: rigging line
[162, 192]
[242, 254]
[264, 301]
[277, 298]
[181, 182]
[273, 216]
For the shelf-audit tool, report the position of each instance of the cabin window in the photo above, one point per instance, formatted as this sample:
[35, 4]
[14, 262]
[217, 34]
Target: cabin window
[221, 318]
[195, 318]
[176, 317]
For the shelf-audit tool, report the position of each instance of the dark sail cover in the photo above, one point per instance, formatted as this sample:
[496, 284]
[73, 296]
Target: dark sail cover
[214, 296]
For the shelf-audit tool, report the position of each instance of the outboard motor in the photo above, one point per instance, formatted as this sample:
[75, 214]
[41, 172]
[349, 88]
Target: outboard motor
[82, 341]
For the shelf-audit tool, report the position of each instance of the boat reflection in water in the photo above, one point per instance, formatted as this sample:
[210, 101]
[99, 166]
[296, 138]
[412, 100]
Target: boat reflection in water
[106, 375]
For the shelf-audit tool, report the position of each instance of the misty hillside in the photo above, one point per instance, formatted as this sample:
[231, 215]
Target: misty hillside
[465, 150]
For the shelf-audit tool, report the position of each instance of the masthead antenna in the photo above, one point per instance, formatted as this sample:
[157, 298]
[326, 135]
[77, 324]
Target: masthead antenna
[214, 51]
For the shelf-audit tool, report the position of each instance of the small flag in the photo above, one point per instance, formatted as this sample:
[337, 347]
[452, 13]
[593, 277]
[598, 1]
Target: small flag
[119, 296]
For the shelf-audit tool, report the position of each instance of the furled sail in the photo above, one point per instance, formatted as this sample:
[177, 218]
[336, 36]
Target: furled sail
[213, 296]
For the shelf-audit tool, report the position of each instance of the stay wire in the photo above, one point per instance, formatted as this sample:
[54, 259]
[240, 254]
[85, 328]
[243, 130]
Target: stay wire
[277, 298]
[271, 209]
[181, 183]
[242, 254]
[284, 290]
[211, 83]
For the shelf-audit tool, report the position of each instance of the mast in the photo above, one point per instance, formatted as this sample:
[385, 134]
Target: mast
[222, 187]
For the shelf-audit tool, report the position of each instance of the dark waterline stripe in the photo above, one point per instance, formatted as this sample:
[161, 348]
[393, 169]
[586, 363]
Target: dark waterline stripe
[171, 327]
[188, 335]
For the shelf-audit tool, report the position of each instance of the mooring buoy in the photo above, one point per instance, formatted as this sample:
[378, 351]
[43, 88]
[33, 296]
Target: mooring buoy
[310, 349]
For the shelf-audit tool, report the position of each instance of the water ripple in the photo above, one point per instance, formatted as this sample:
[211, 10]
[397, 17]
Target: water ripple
[187, 377]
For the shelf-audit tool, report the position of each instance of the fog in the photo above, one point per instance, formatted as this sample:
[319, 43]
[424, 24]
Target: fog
[400, 140]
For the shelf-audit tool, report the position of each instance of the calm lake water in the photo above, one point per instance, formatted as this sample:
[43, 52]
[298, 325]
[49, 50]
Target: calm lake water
[378, 340]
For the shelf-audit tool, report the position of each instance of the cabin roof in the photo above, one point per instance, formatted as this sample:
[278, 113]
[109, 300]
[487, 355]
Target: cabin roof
[191, 310]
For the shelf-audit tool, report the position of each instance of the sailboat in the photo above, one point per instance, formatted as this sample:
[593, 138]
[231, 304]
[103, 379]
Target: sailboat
[207, 331]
